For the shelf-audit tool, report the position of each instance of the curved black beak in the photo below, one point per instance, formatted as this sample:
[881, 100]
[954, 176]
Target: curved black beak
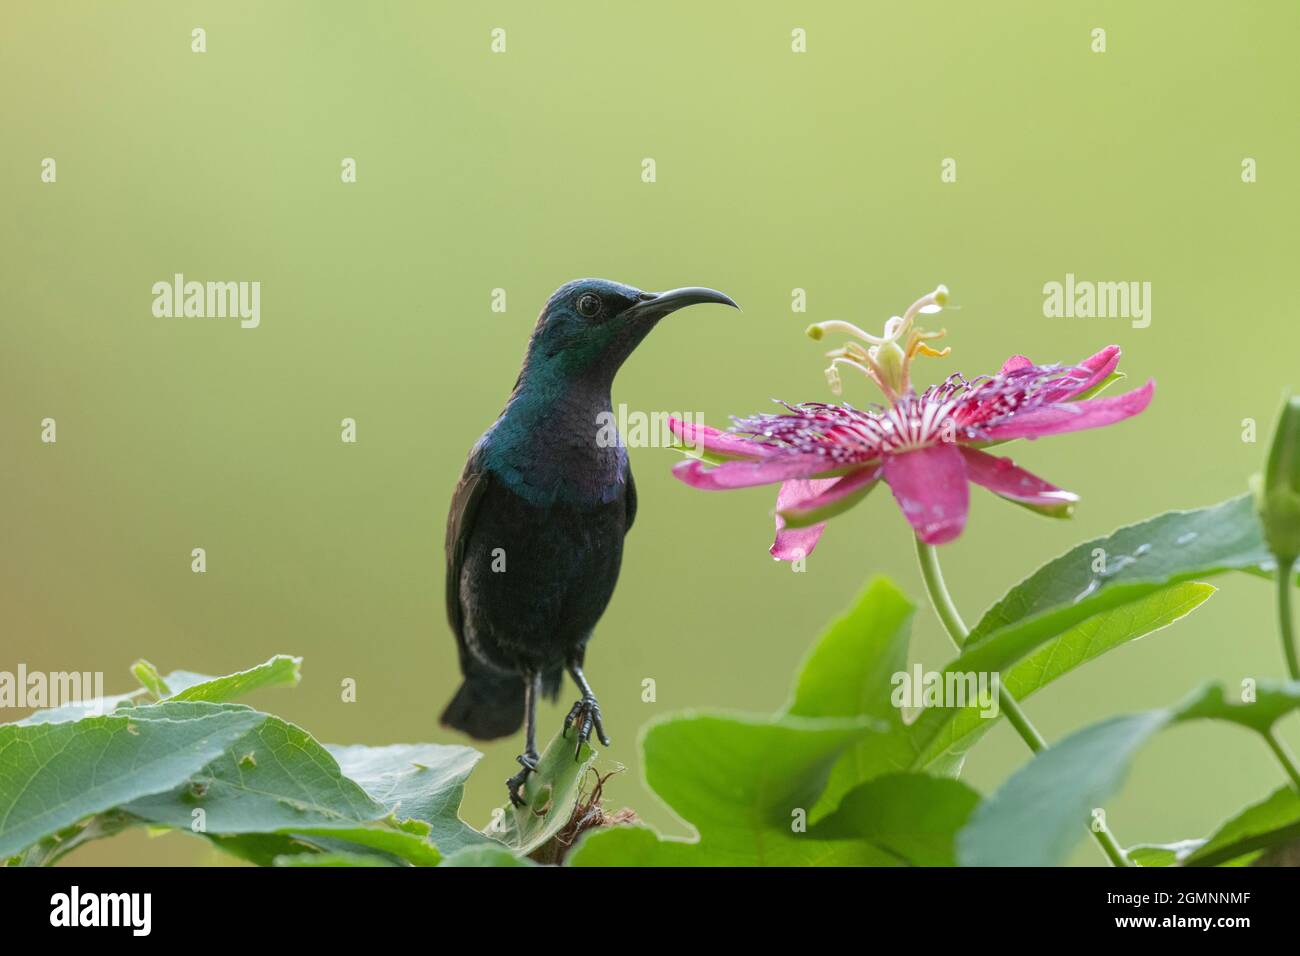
[655, 305]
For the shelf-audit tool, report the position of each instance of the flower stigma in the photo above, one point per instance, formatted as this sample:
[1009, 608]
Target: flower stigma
[885, 359]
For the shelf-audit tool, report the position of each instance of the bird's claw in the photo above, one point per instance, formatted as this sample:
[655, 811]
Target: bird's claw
[515, 784]
[586, 714]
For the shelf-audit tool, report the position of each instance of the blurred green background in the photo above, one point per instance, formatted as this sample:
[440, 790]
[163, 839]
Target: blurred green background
[521, 170]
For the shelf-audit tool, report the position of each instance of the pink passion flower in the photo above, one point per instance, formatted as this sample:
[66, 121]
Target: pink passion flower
[926, 447]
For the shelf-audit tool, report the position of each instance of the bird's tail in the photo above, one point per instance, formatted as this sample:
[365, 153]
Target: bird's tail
[488, 706]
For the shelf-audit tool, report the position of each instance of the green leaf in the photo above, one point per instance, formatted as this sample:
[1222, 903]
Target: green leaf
[1159, 854]
[1271, 702]
[729, 776]
[634, 845]
[50, 849]
[849, 673]
[280, 671]
[733, 777]
[255, 785]
[913, 817]
[55, 774]
[485, 854]
[330, 859]
[273, 777]
[263, 849]
[851, 668]
[380, 841]
[1094, 598]
[80, 710]
[1134, 562]
[1270, 822]
[937, 732]
[1037, 816]
[150, 679]
[276, 779]
[423, 782]
[746, 785]
[1238, 841]
[1066, 614]
[384, 841]
[386, 838]
[550, 794]
[938, 738]
[1042, 810]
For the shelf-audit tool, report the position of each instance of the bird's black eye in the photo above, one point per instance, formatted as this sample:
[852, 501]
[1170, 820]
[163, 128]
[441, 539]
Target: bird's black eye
[589, 305]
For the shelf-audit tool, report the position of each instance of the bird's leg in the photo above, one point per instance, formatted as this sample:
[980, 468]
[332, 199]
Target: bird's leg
[527, 759]
[585, 713]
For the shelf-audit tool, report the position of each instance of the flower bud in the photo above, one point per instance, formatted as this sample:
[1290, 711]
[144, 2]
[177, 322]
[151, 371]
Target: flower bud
[1277, 490]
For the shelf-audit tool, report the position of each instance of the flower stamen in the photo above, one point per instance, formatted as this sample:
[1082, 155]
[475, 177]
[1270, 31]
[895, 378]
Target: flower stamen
[888, 361]
[817, 331]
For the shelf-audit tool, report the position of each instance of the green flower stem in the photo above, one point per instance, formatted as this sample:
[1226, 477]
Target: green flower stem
[1283, 757]
[1284, 622]
[957, 630]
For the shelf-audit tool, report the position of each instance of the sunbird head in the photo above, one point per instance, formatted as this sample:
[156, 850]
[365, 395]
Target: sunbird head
[589, 327]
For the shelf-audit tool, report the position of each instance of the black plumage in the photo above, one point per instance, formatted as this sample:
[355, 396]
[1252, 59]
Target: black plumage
[535, 531]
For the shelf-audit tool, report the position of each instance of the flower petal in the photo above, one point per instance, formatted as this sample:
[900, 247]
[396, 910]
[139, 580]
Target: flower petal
[1058, 418]
[1097, 366]
[791, 544]
[715, 442]
[836, 495]
[1103, 363]
[930, 486]
[746, 474]
[1003, 477]
[1015, 364]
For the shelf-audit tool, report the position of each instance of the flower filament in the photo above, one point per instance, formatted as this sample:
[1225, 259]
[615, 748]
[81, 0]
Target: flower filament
[886, 359]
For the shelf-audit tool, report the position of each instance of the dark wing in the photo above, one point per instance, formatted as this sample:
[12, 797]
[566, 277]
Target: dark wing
[629, 499]
[474, 482]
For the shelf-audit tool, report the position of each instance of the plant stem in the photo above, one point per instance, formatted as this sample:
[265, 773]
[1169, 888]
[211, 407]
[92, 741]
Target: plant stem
[1283, 756]
[1284, 571]
[957, 630]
